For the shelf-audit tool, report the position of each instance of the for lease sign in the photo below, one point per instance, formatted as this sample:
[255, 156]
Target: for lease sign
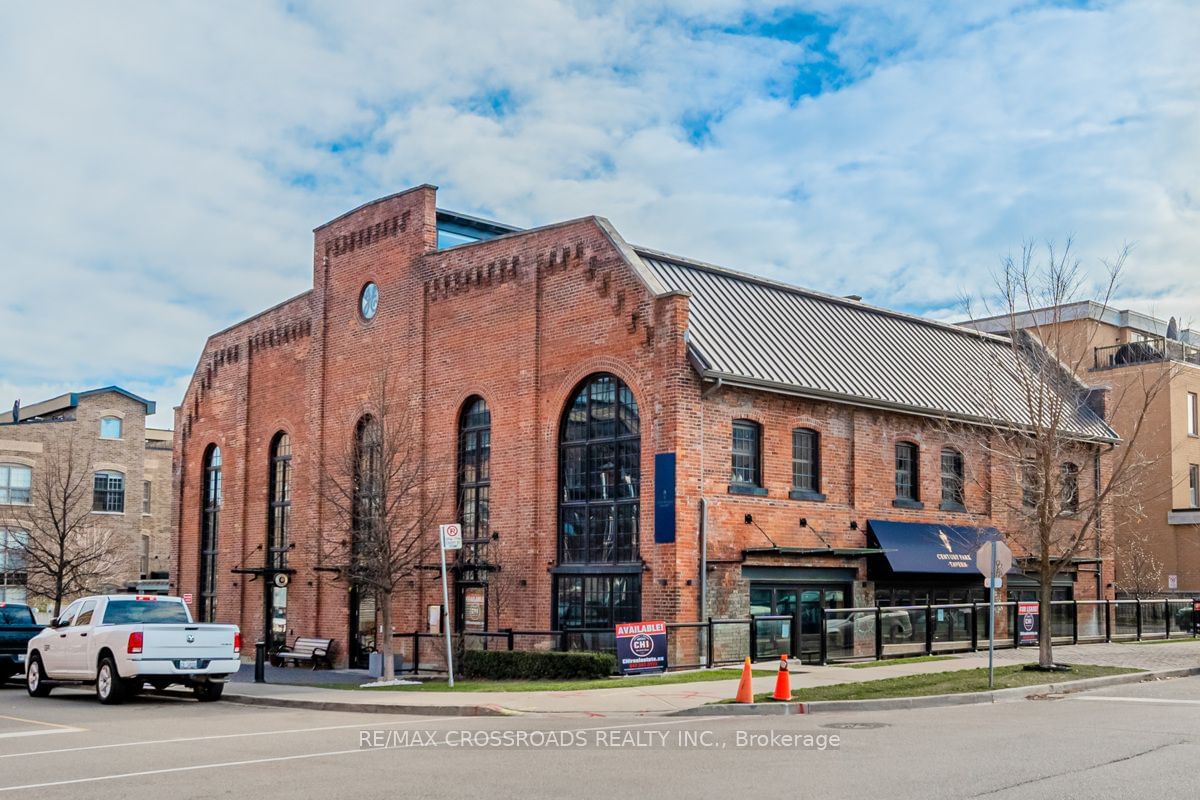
[641, 646]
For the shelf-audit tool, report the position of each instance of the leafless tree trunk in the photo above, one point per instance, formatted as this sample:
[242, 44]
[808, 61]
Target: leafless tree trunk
[1068, 481]
[68, 551]
[501, 580]
[383, 505]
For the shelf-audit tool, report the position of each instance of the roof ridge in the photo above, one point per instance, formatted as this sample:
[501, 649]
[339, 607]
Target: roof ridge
[706, 266]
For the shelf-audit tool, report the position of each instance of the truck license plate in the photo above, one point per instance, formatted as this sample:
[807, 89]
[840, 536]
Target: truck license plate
[189, 664]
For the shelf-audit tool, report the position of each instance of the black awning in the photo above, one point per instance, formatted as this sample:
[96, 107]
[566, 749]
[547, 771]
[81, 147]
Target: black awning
[930, 548]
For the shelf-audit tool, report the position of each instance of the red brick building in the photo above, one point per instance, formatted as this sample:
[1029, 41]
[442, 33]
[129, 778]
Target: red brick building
[640, 435]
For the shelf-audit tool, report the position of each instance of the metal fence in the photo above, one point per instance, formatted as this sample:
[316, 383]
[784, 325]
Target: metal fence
[843, 634]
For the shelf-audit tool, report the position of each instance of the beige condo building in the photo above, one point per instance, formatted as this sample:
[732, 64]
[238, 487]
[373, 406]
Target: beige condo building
[1135, 355]
[130, 475]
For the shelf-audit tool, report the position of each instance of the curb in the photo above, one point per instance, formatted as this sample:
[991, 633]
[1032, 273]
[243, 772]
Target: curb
[931, 701]
[372, 708]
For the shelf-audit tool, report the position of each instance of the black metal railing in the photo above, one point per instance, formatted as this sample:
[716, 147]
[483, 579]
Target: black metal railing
[843, 634]
[1157, 348]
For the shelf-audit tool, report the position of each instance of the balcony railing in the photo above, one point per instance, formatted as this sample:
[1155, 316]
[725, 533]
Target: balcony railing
[1151, 350]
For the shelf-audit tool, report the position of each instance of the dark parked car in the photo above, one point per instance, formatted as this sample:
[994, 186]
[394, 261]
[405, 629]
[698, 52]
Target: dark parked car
[17, 627]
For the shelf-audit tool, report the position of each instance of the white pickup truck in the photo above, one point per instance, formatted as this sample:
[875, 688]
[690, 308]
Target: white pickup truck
[121, 642]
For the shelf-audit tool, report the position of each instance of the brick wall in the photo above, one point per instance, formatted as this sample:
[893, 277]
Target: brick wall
[519, 320]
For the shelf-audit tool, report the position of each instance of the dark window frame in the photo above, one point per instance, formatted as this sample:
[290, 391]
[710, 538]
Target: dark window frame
[599, 501]
[108, 492]
[746, 466]
[908, 475]
[279, 494]
[806, 465]
[1069, 485]
[211, 500]
[474, 484]
[954, 480]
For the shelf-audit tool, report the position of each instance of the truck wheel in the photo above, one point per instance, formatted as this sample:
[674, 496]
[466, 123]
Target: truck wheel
[208, 692]
[110, 689]
[35, 678]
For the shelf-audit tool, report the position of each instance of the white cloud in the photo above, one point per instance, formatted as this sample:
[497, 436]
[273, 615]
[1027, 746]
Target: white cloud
[165, 163]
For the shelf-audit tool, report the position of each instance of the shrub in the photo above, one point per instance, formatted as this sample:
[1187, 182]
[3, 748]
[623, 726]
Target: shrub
[502, 665]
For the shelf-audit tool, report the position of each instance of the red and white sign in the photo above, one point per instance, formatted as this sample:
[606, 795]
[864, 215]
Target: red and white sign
[451, 536]
[187, 598]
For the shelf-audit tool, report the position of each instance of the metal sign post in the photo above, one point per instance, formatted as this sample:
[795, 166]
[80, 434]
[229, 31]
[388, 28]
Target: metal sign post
[449, 538]
[994, 560]
[991, 621]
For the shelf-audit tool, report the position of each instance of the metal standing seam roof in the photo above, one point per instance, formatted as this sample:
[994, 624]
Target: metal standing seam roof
[762, 333]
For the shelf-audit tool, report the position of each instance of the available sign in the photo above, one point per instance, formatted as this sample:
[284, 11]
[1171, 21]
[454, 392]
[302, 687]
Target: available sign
[642, 647]
[1027, 622]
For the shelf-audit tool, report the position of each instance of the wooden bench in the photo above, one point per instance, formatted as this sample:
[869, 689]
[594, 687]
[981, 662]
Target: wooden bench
[303, 650]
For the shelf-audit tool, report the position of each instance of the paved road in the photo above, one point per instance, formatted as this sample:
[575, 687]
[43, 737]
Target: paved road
[1125, 742]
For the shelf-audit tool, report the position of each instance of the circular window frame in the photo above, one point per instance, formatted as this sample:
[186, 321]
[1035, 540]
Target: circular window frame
[362, 293]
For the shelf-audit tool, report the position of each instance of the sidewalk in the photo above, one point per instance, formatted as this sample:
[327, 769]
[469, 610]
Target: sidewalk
[670, 698]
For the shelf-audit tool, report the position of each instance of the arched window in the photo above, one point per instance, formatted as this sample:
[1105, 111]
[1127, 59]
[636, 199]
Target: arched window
[279, 520]
[108, 492]
[1070, 488]
[908, 477]
[368, 491]
[368, 453]
[474, 474]
[953, 480]
[278, 531]
[806, 464]
[110, 427]
[599, 573]
[210, 524]
[746, 449]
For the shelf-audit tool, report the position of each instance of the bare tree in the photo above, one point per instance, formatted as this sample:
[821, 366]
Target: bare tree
[68, 551]
[1044, 437]
[384, 508]
[502, 581]
[1140, 572]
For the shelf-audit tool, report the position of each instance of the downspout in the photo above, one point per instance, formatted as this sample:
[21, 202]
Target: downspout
[704, 573]
[1099, 527]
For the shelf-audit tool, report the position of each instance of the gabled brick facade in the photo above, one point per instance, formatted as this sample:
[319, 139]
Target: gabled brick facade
[520, 320]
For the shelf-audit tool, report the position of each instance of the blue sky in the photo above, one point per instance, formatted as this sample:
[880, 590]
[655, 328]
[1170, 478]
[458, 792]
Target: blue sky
[165, 163]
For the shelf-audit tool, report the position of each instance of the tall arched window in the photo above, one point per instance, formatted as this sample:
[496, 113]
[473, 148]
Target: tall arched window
[474, 473]
[367, 500]
[278, 530]
[281, 500]
[368, 452]
[210, 523]
[599, 573]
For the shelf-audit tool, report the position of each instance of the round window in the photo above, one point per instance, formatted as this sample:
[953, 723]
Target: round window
[368, 303]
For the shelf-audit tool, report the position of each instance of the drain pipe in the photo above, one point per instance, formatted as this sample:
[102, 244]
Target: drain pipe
[704, 574]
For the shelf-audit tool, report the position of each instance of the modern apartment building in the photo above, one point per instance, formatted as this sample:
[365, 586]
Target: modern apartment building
[1140, 356]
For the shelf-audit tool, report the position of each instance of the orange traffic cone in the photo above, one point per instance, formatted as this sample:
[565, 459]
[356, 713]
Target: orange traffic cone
[745, 692]
[783, 681]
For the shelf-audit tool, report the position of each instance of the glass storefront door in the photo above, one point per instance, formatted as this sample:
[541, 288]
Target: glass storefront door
[803, 603]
